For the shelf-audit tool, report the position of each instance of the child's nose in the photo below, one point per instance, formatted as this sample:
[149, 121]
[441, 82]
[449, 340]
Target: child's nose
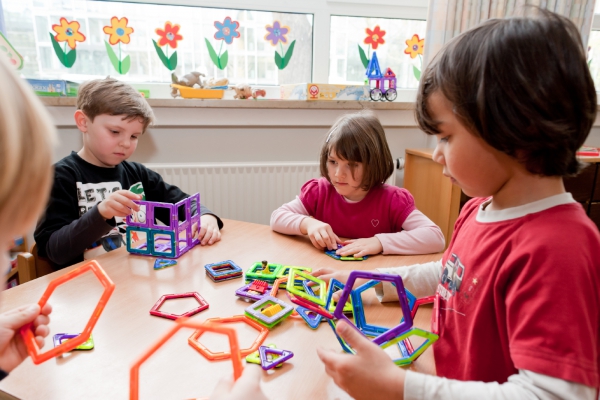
[437, 155]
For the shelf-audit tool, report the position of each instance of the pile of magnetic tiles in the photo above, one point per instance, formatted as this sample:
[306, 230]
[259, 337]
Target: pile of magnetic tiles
[315, 304]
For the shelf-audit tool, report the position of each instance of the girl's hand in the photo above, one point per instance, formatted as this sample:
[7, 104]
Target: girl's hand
[360, 247]
[370, 374]
[12, 348]
[326, 274]
[321, 235]
[209, 230]
[247, 387]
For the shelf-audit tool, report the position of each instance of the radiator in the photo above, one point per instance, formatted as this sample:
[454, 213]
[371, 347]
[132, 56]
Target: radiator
[246, 192]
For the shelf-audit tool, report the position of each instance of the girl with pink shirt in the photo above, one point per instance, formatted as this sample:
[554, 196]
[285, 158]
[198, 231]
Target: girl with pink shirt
[352, 201]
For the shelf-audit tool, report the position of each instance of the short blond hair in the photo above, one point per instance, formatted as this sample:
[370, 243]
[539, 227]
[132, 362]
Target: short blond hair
[27, 136]
[113, 97]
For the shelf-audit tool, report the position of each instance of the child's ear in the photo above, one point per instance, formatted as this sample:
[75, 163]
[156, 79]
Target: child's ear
[81, 121]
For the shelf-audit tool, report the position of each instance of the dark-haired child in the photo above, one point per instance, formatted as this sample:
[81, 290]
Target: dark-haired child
[509, 102]
[351, 199]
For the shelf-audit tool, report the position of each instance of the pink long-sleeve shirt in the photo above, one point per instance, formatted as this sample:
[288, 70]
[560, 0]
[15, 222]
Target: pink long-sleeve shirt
[387, 212]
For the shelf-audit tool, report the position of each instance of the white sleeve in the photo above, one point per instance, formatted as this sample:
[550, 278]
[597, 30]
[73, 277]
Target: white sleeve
[287, 218]
[421, 279]
[419, 236]
[524, 385]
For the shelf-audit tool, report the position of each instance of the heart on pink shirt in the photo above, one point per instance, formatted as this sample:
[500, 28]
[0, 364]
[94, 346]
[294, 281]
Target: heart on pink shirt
[374, 222]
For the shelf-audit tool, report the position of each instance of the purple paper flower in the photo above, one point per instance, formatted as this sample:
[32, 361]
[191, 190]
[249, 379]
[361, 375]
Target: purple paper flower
[227, 30]
[277, 33]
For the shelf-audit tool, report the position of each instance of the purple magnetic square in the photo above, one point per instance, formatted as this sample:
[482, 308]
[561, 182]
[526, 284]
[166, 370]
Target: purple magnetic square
[254, 309]
[405, 325]
[245, 292]
[59, 337]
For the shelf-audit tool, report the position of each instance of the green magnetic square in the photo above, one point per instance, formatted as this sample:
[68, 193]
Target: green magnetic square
[271, 276]
[291, 288]
[286, 269]
[270, 326]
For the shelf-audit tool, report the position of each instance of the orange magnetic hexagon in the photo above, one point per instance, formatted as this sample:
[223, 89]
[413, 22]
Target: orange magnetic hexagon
[262, 335]
[27, 331]
[202, 327]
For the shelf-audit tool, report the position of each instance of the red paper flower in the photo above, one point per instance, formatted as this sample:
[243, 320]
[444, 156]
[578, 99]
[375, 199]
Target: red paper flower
[375, 37]
[170, 35]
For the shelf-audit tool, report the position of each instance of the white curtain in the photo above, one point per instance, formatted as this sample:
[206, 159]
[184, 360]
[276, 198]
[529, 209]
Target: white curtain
[449, 18]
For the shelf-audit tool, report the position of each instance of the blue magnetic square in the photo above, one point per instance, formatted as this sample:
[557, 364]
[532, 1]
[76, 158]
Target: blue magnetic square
[222, 269]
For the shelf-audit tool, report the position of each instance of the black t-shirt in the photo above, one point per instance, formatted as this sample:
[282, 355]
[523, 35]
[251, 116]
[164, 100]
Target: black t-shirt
[72, 223]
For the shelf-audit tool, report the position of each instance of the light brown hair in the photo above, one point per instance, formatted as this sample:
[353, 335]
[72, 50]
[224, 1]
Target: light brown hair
[359, 137]
[113, 97]
[27, 136]
[521, 84]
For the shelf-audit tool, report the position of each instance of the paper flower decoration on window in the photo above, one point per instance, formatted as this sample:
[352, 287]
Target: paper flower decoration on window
[67, 32]
[226, 31]
[373, 40]
[414, 49]
[276, 34]
[119, 33]
[168, 38]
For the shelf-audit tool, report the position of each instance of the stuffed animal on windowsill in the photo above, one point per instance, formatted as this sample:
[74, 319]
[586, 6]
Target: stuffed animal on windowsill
[190, 80]
[246, 92]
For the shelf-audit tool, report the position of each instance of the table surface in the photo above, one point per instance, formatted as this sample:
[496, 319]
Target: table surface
[126, 329]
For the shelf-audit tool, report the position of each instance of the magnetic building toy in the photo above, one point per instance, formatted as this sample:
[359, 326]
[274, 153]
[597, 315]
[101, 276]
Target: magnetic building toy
[223, 271]
[203, 305]
[170, 241]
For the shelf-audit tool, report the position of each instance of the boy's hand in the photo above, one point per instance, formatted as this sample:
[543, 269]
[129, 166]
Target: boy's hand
[12, 348]
[360, 247]
[247, 387]
[119, 204]
[209, 230]
[321, 235]
[370, 374]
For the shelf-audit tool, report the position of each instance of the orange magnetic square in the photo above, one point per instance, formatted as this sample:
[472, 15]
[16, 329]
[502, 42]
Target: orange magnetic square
[202, 327]
[27, 332]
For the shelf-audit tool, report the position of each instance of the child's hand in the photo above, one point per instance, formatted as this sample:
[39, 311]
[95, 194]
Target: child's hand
[370, 374]
[321, 235]
[247, 387]
[119, 204]
[360, 247]
[12, 347]
[326, 274]
[209, 230]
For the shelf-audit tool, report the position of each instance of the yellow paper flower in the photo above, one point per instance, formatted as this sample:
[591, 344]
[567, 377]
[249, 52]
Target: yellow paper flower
[118, 31]
[68, 32]
[415, 46]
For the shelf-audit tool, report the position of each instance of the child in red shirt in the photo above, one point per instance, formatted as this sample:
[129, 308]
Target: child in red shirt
[509, 102]
[351, 200]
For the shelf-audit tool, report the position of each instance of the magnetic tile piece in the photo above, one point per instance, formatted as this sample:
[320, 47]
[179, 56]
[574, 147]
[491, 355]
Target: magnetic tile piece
[203, 305]
[313, 322]
[246, 294]
[223, 270]
[254, 358]
[161, 263]
[331, 253]
[62, 337]
[270, 311]
[255, 311]
[266, 364]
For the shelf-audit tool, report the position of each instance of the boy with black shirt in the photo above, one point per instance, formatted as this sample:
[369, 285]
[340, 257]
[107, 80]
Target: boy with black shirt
[94, 189]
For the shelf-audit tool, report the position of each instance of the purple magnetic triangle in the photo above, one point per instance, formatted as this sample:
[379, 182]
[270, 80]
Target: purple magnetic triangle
[266, 364]
[313, 322]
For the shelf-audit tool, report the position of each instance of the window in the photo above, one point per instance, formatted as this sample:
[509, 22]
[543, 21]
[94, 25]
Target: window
[594, 56]
[250, 57]
[349, 33]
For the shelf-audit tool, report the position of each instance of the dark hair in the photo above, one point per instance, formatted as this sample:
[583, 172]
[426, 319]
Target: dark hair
[113, 97]
[522, 84]
[359, 137]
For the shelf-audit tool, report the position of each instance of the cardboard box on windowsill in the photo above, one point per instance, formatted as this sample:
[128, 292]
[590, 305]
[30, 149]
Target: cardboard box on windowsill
[324, 91]
[54, 87]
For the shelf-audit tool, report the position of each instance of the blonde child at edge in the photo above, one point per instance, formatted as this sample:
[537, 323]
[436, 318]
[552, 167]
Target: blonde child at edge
[509, 102]
[351, 199]
[26, 140]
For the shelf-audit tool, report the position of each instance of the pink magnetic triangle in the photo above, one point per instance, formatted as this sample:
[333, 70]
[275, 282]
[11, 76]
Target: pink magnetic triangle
[284, 355]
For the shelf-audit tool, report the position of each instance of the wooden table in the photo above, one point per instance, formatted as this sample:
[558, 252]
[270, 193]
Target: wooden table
[126, 329]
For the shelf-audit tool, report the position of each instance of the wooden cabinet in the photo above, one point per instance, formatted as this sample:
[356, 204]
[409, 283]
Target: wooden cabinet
[439, 199]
